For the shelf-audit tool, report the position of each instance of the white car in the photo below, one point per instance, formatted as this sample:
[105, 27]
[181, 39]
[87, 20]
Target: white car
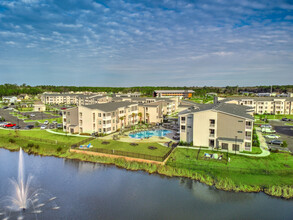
[3, 123]
[33, 115]
[43, 127]
[272, 136]
[46, 122]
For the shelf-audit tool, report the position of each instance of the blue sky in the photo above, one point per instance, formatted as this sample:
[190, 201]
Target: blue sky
[139, 43]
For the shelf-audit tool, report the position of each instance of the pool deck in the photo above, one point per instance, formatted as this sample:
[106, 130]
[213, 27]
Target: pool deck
[126, 138]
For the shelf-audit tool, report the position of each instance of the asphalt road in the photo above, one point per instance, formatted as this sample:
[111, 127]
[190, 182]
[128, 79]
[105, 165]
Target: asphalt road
[285, 132]
[13, 119]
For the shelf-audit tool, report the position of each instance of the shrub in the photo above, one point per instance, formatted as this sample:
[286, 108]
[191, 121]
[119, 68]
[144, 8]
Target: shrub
[88, 134]
[11, 140]
[37, 146]
[30, 145]
[37, 124]
[284, 144]
[59, 149]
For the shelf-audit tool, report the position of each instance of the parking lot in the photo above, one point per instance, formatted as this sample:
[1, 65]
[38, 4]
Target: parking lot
[32, 116]
[284, 131]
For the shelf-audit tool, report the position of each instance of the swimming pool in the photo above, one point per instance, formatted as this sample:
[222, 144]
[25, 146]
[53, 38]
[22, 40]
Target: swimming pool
[146, 134]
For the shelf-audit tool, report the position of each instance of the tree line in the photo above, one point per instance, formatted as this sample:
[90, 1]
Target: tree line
[14, 89]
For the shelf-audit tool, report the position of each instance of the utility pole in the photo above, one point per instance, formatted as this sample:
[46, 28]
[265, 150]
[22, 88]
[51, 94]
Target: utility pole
[235, 143]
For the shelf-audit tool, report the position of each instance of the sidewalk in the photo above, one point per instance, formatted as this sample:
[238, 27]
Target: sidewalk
[73, 135]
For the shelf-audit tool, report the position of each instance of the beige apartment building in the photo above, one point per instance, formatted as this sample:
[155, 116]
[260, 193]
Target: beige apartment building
[101, 118]
[265, 105]
[153, 113]
[74, 99]
[218, 126]
[170, 106]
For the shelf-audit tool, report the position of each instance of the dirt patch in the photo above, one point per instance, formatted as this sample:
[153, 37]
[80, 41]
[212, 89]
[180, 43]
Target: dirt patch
[105, 142]
[152, 148]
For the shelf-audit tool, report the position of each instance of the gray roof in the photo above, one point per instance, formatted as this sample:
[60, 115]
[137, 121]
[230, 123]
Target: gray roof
[238, 110]
[109, 107]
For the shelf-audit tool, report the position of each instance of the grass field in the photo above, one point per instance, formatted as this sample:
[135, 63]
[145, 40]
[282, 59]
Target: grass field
[273, 116]
[141, 148]
[275, 161]
[36, 133]
[255, 150]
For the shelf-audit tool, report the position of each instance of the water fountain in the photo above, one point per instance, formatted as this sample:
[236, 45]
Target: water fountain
[25, 199]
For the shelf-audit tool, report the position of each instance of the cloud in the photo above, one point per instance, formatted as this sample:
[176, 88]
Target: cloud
[138, 39]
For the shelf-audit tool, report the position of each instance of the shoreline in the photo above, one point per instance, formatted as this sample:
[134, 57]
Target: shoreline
[226, 184]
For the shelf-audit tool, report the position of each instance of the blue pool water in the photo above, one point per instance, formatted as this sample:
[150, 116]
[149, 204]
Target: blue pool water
[146, 134]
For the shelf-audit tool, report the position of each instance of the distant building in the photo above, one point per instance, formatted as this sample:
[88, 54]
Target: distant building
[265, 105]
[76, 99]
[217, 126]
[172, 93]
[23, 96]
[9, 99]
[135, 94]
[39, 107]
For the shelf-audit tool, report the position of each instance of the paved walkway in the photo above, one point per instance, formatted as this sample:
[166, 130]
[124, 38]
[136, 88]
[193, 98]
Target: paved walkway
[74, 135]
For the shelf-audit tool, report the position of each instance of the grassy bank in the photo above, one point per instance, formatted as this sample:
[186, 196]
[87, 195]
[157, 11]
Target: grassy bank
[276, 184]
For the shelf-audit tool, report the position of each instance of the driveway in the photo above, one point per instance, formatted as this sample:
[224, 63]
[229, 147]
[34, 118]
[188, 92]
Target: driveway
[285, 132]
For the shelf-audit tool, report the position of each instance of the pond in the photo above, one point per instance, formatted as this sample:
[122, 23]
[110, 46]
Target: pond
[147, 134]
[94, 191]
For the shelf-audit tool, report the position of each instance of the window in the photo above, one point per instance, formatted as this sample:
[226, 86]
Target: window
[100, 130]
[212, 122]
[240, 132]
[99, 114]
[235, 147]
[224, 146]
[183, 127]
[240, 121]
[94, 116]
[183, 119]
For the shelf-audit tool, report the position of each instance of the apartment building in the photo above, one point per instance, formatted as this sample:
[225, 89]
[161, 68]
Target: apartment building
[101, 118]
[265, 105]
[74, 99]
[153, 113]
[172, 93]
[218, 126]
[170, 106]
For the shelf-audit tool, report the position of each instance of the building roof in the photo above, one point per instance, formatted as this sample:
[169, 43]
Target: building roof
[233, 109]
[176, 91]
[110, 106]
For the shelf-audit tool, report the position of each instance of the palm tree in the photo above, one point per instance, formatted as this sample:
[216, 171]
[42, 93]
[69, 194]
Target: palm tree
[148, 117]
[140, 116]
[133, 116]
[121, 118]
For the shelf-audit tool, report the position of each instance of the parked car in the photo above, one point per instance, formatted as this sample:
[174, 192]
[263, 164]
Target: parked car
[268, 130]
[285, 119]
[3, 123]
[33, 115]
[9, 125]
[55, 122]
[46, 122]
[272, 136]
[176, 137]
[16, 127]
[29, 127]
[43, 127]
[266, 126]
[276, 142]
[59, 126]
[5, 107]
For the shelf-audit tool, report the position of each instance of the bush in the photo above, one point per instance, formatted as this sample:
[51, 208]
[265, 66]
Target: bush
[59, 149]
[284, 144]
[85, 134]
[37, 124]
[273, 150]
[11, 140]
[30, 145]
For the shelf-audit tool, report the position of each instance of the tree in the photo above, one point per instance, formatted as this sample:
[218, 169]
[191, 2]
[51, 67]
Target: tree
[121, 120]
[133, 116]
[140, 117]
[148, 117]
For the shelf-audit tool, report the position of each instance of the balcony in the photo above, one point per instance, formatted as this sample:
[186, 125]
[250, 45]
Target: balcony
[212, 135]
[248, 127]
[248, 138]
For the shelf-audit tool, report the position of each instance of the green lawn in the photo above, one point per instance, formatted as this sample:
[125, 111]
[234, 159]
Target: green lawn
[141, 148]
[58, 120]
[255, 150]
[36, 133]
[275, 161]
[273, 116]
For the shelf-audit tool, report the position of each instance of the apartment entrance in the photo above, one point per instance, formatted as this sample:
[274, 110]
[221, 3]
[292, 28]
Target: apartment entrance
[212, 143]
